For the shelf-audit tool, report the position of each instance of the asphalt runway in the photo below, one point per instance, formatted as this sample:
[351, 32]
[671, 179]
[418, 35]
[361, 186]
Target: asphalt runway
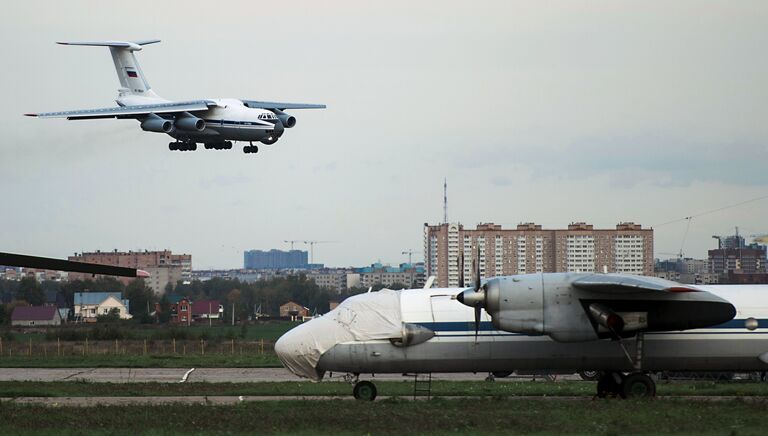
[209, 375]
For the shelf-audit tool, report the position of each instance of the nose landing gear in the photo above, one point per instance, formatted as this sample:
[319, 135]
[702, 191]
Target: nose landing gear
[251, 148]
[364, 390]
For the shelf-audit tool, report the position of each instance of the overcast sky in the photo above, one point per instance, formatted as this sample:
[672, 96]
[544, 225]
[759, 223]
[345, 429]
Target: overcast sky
[549, 112]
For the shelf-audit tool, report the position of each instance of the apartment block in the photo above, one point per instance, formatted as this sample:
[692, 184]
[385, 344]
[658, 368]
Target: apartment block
[163, 266]
[450, 250]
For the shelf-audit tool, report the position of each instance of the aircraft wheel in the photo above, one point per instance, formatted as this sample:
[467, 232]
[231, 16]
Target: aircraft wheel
[173, 146]
[207, 145]
[255, 149]
[227, 145]
[590, 375]
[365, 391]
[501, 374]
[247, 149]
[610, 384]
[193, 146]
[638, 385]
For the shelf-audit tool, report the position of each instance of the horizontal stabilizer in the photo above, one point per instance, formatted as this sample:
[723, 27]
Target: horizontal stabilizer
[281, 106]
[128, 111]
[131, 45]
[9, 259]
[624, 283]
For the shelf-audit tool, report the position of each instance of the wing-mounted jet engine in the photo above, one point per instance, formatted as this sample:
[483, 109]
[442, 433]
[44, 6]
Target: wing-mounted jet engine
[576, 307]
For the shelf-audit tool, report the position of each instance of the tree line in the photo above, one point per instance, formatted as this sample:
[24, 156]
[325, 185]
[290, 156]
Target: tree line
[245, 296]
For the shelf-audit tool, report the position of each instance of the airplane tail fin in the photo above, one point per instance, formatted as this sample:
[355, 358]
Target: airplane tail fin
[132, 79]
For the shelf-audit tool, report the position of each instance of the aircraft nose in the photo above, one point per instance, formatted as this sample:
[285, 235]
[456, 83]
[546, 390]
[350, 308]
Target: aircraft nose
[298, 351]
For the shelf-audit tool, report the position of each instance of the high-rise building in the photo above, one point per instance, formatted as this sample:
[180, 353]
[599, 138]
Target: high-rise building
[747, 260]
[164, 267]
[274, 259]
[450, 250]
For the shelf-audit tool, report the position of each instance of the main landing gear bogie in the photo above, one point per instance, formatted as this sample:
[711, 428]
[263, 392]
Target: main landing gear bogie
[226, 145]
[631, 386]
[182, 146]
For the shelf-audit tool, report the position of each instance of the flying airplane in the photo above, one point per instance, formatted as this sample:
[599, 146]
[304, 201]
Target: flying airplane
[213, 122]
[623, 325]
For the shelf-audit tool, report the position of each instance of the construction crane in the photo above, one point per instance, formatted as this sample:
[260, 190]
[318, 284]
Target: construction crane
[410, 252]
[292, 241]
[312, 248]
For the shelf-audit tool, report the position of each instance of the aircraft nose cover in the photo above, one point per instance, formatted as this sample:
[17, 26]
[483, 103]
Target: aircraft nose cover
[364, 317]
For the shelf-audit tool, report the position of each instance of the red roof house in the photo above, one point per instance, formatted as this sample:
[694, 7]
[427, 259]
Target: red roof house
[35, 316]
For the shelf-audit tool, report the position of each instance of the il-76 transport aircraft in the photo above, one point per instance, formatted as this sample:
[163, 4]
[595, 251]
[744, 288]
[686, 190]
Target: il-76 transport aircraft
[214, 123]
[623, 325]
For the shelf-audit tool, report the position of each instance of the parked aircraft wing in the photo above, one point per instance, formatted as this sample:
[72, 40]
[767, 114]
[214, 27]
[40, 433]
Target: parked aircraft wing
[128, 111]
[620, 283]
[10, 259]
[280, 106]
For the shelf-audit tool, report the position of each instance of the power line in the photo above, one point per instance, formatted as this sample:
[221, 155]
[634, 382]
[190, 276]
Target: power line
[710, 211]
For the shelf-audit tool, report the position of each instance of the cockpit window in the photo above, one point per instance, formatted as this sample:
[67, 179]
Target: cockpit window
[267, 116]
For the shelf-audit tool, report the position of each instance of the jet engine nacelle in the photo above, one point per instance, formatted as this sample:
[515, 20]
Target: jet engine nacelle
[190, 123]
[154, 123]
[287, 120]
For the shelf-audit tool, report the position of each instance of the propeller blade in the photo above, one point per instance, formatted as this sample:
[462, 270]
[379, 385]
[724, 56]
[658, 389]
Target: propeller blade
[477, 269]
[477, 321]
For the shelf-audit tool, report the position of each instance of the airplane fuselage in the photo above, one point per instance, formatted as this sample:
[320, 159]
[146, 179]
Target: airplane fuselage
[733, 346]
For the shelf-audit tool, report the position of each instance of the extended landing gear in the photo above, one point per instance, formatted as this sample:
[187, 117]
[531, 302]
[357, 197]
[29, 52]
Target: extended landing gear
[251, 148]
[364, 390]
[182, 146]
[634, 385]
[226, 145]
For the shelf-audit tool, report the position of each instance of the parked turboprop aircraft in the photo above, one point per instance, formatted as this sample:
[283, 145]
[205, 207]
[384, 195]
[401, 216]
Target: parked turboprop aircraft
[623, 325]
[214, 123]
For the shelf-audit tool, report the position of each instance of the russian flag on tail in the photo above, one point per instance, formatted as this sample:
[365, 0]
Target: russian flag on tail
[131, 73]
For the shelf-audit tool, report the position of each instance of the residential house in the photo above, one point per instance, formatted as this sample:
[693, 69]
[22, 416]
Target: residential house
[89, 305]
[207, 311]
[293, 310]
[28, 316]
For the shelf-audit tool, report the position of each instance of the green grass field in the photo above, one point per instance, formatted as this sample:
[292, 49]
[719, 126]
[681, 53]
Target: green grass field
[385, 388]
[217, 360]
[268, 331]
[440, 416]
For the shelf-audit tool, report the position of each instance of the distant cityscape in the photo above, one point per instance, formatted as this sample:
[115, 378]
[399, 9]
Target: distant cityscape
[449, 252]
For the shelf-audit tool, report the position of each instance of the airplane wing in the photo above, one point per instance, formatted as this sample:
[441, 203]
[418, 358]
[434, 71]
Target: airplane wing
[128, 111]
[10, 259]
[620, 283]
[280, 106]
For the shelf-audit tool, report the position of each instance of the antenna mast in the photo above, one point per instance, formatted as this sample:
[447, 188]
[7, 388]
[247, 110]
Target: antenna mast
[445, 200]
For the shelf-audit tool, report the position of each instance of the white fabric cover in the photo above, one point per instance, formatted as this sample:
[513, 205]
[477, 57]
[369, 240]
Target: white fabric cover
[364, 317]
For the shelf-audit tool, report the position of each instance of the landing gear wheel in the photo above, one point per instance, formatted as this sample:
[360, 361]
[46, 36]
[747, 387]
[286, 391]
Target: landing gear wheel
[365, 391]
[637, 385]
[250, 149]
[173, 146]
[501, 374]
[609, 384]
[227, 145]
[192, 146]
[590, 375]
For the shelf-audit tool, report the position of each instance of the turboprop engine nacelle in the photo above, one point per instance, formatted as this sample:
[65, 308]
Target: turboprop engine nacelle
[189, 122]
[155, 123]
[547, 304]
